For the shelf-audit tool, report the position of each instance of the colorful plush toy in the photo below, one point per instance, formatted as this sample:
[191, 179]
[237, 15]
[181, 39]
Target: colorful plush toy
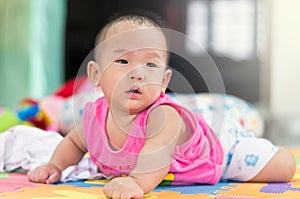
[31, 111]
[41, 114]
[9, 118]
[46, 113]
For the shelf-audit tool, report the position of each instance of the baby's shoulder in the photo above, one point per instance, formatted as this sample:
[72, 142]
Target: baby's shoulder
[163, 118]
[164, 112]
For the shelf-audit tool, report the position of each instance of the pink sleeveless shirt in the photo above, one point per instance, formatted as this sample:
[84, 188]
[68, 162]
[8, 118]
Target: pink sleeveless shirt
[198, 160]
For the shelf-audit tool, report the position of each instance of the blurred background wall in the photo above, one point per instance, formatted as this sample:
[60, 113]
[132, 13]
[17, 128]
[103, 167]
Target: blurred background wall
[32, 35]
[285, 58]
[14, 42]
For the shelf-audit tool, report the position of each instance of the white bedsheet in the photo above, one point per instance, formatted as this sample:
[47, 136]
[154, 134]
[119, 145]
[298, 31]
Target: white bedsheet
[25, 148]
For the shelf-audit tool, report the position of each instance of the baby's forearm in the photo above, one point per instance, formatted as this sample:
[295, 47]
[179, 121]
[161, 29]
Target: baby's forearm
[66, 154]
[148, 181]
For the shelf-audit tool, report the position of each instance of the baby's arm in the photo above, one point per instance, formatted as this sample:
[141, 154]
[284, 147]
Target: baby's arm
[164, 126]
[69, 152]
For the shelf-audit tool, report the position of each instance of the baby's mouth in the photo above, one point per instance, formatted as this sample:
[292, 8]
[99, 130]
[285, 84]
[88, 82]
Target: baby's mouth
[134, 93]
[134, 90]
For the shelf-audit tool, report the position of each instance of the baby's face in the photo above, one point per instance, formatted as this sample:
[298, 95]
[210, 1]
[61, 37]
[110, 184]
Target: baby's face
[133, 63]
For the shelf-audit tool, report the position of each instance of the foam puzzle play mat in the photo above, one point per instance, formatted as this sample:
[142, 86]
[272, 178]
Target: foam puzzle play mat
[17, 186]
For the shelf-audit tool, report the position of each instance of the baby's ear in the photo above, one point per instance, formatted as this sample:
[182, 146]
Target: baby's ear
[166, 80]
[94, 73]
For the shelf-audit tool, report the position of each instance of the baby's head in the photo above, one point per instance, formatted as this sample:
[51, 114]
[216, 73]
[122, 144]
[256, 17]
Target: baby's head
[132, 30]
[131, 58]
[138, 17]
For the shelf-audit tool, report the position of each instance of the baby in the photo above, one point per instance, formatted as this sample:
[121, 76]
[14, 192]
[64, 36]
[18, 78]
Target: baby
[137, 135]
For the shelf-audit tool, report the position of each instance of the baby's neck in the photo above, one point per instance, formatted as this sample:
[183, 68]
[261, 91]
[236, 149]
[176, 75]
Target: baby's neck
[122, 120]
[117, 129]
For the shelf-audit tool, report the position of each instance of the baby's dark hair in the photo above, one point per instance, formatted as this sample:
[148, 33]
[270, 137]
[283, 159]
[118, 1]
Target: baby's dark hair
[138, 16]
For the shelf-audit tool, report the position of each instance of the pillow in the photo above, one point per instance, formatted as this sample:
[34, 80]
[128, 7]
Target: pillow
[208, 104]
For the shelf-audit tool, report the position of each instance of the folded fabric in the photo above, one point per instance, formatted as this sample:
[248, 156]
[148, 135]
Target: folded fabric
[25, 148]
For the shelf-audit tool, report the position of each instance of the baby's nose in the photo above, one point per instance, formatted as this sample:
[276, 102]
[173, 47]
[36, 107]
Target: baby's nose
[137, 76]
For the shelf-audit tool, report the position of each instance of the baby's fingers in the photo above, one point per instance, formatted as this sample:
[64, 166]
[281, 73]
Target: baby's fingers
[54, 177]
[38, 176]
[123, 188]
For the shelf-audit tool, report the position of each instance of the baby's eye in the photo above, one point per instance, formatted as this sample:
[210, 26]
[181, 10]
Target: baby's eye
[122, 61]
[151, 65]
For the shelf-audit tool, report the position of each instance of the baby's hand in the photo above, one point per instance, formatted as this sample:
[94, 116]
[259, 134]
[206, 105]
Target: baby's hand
[123, 187]
[45, 174]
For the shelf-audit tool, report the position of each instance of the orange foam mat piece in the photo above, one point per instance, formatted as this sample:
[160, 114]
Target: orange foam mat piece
[57, 192]
[72, 192]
